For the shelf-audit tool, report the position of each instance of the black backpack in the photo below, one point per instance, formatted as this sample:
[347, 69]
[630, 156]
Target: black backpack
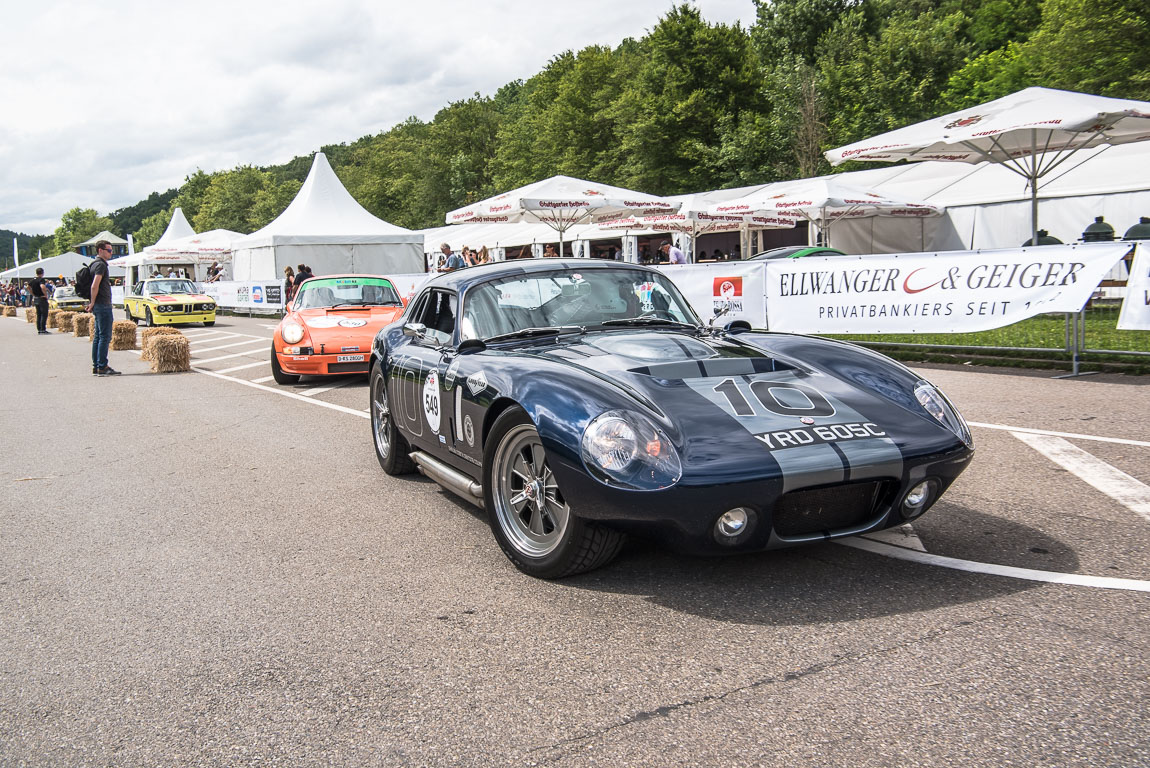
[84, 281]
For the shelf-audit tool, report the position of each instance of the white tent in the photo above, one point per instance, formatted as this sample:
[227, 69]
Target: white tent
[55, 267]
[325, 228]
[178, 228]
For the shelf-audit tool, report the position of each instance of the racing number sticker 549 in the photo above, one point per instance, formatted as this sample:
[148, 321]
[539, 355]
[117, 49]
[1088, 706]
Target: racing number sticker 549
[431, 402]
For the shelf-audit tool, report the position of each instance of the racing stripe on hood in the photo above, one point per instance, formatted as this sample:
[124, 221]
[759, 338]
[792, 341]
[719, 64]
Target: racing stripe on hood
[837, 445]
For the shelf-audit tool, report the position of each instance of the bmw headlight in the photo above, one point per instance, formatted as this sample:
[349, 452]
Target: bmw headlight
[625, 450]
[935, 403]
[291, 332]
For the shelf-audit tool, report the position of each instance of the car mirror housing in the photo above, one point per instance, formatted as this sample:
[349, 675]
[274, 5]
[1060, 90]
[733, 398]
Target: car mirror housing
[469, 346]
[417, 330]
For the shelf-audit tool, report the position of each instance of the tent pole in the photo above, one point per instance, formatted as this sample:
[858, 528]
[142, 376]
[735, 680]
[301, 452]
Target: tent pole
[1034, 187]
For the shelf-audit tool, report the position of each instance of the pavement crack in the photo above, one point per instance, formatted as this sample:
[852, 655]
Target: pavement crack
[787, 677]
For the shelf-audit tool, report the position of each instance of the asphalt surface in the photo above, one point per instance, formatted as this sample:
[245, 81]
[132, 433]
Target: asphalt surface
[199, 570]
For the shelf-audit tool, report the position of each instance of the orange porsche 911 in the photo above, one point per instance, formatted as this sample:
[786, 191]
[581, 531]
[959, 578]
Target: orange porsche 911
[330, 325]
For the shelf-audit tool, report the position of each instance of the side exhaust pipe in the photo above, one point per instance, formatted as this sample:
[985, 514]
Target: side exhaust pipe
[451, 479]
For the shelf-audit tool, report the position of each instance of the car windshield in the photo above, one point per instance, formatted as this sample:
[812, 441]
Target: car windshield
[65, 293]
[347, 292]
[158, 287]
[571, 297]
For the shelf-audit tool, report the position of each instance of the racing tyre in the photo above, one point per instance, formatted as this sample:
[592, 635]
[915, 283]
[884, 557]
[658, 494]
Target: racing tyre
[148, 321]
[128, 313]
[529, 516]
[391, 449]
[278, 373]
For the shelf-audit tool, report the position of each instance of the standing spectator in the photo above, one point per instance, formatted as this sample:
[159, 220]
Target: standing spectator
[100, 305]
[300, 276]
[40, 297]
[549, 252]
[673, 254]
[483, 257]
[454, 260]
[289, 285]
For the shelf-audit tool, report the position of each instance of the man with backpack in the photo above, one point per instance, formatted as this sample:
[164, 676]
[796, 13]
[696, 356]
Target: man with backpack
[99, 296]
[40, 299]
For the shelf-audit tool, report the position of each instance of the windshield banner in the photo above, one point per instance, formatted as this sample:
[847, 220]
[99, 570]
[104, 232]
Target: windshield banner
[946, 292]
[734, 289]
[1135, 314]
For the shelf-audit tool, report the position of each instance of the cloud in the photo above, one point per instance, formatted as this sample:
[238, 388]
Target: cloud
[108, 102]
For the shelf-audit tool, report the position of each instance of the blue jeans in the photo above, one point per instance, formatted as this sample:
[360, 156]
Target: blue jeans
[101, 334]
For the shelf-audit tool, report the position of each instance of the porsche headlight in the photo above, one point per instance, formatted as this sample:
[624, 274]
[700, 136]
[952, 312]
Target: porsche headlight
[291, 332]
[624, 449]
[935, 403]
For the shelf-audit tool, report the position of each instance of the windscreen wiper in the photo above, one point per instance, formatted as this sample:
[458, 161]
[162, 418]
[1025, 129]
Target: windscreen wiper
[651, 321]
[526, 333]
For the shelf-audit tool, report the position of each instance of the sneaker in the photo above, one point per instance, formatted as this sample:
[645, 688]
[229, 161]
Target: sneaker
[95, 370]
[107, 371]
[44, 333]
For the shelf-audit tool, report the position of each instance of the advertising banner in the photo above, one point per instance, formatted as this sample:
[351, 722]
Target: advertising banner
[257, 295]
[1135, 315]
[946, 292]
[407, 285]
[711, 288]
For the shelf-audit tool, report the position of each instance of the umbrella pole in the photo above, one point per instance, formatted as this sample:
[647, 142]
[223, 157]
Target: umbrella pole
[1034, 187]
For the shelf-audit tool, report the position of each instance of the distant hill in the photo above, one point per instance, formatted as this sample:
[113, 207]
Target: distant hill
[26, 245]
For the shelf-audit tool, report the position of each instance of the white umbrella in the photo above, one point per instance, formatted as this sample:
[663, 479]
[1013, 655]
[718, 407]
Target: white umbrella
[1031, 132]
[561, 202]
[821, 201]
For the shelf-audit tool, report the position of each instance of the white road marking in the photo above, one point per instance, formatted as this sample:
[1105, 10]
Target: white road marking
[270, 327]
[219, 336]
[316, 390]
[1071, 435]
[1027, 574]
[285, 393]
[262, 380]
[1127, 491]
[249, 365]
[900, 536]
[228, 357]
[228, 346]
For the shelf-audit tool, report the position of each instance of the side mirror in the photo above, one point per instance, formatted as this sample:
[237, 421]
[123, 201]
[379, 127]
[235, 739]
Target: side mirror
[737, 326]
[415, 330]
[469, 346]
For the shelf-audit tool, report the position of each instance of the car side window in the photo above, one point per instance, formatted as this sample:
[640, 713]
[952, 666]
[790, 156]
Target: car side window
[138, 288]
[437, 311]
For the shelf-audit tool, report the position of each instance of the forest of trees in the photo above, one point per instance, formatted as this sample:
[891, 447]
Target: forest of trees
[691, 106]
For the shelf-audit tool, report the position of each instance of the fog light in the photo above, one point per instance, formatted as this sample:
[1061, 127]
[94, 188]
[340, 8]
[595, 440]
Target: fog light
[733, 522]
[917, 499]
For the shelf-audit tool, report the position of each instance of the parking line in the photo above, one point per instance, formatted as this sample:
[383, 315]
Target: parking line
[285, 393]
[1069, 435]
[262, 380]
[249, 365]
[1009, 571]
[316, 390]
[224, 346]
[1126, 490]
[206, 336]
[227, 357]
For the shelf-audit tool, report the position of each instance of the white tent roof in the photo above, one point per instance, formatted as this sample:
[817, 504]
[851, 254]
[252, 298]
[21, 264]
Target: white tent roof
[178, 228]
[325, 213]
[105, 235]
[65, 264]
[203, 248]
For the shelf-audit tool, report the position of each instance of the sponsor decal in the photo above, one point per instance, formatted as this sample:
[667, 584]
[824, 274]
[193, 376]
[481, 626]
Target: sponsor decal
[273, 294]
[469, 459]
[980, 277]
[352, 322]
[643, 291]
[962, 122]
[728, 292]
[322, 322]
[349, 349]
[469, 431]
[832, 433]
[592, 192]
[432, 403]
[257, 294]
[476, 383]
[807, 420]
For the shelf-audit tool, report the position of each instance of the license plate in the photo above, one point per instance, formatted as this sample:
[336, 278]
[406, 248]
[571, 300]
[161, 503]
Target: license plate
[349, 358]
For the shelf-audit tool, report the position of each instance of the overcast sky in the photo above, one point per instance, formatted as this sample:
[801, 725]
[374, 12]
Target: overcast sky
[103, 103]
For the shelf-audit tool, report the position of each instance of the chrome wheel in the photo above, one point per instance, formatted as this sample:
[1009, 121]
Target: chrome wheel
[380, 417]
[528, 504]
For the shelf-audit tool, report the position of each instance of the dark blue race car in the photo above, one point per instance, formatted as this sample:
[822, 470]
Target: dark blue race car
[578, 401]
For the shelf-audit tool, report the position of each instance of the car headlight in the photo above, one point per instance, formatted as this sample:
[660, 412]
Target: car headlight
[291, 332]
[624, 449]
[935, 403]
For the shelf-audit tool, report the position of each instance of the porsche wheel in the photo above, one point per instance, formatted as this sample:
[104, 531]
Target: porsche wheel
[278, 373]
[391, 449]
[148, 321]
[529, 516]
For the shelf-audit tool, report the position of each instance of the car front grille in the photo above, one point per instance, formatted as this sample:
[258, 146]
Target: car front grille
[816, 510]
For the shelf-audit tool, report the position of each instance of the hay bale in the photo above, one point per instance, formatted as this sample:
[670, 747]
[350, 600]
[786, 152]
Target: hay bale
[148, 335]
[171, 354]
[83, 324]
[123, 335]
[9, 311]
[30, 314]
[53, 316]
[64, 322]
